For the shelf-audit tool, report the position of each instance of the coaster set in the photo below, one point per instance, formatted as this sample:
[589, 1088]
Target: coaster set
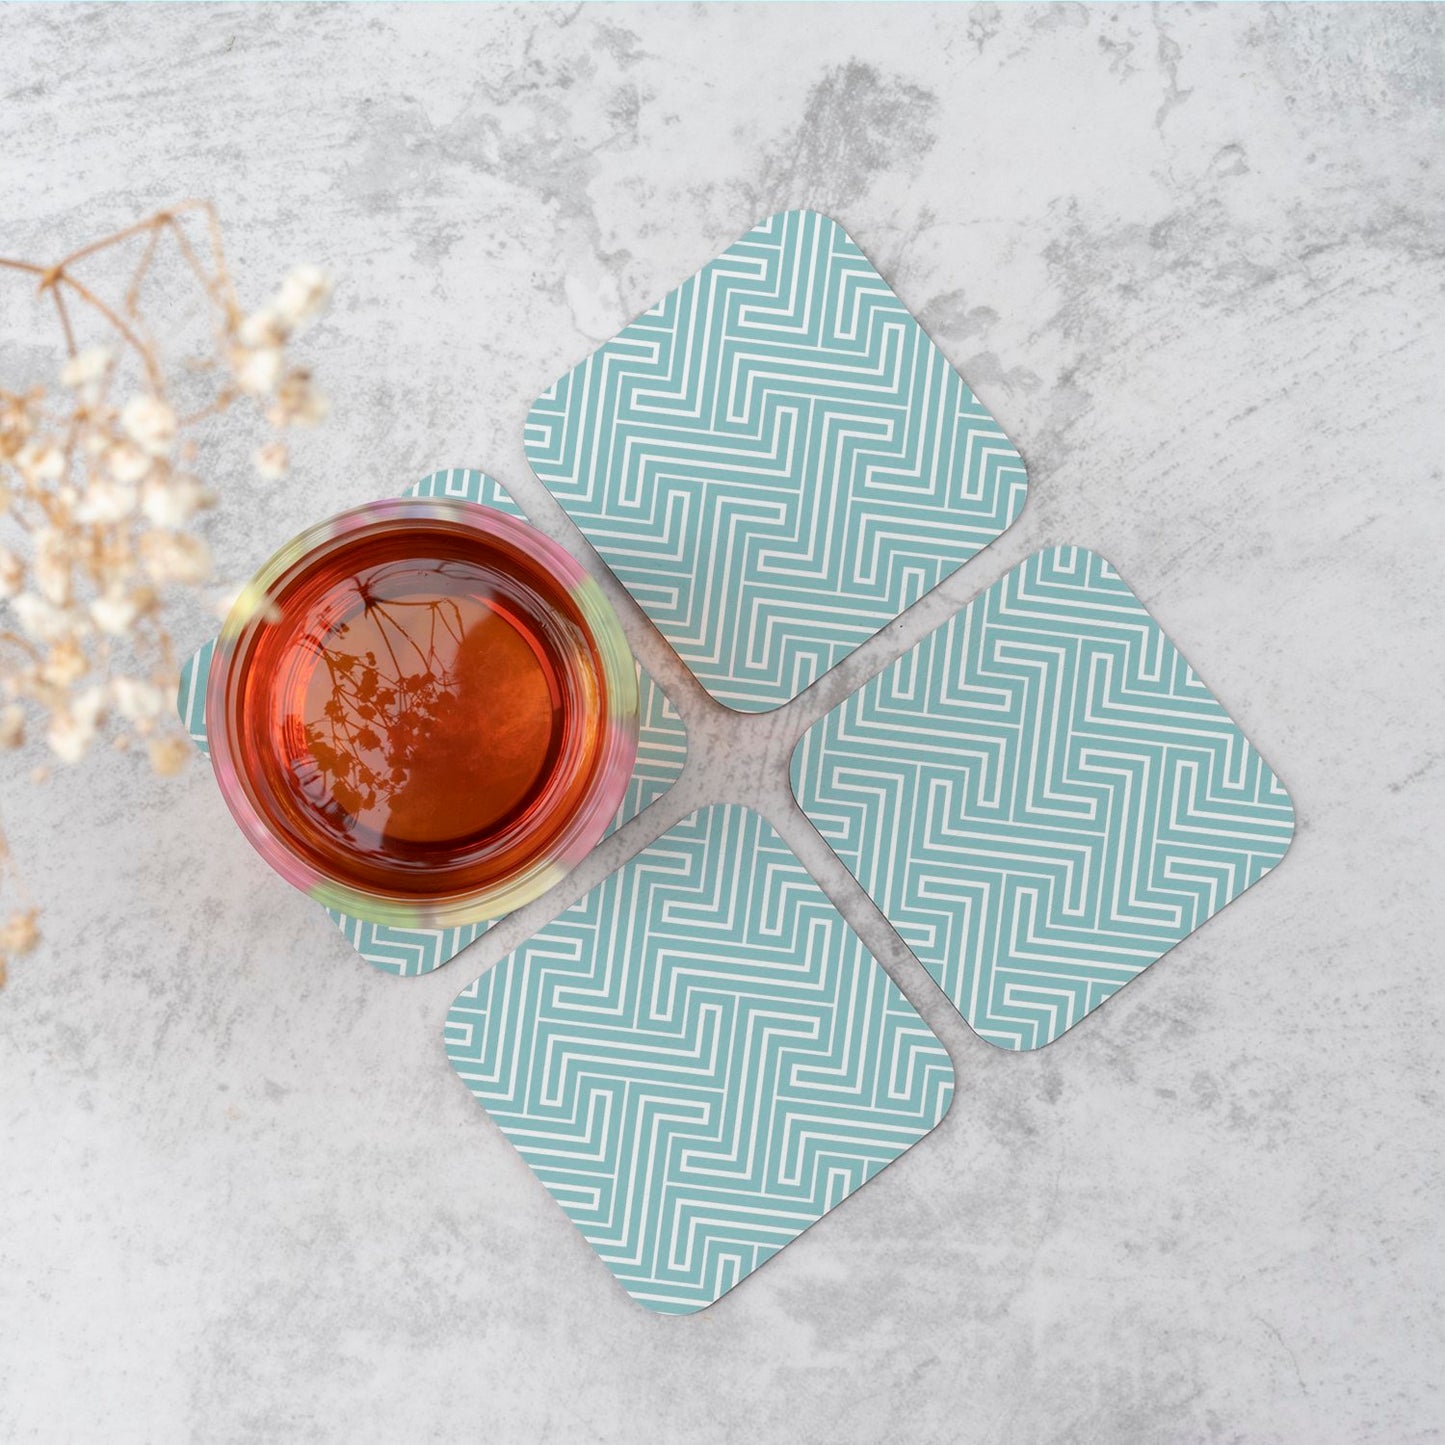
[699, 1058]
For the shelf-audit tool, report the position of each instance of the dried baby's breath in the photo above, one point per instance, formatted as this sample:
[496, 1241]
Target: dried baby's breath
[19, 933]
[272, 462]
[257, 369]
[168, 755]
[12, 725]
[100, 492]
[150, 424]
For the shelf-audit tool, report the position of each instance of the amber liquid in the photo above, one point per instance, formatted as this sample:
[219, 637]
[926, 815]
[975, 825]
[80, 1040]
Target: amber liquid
[409, 711]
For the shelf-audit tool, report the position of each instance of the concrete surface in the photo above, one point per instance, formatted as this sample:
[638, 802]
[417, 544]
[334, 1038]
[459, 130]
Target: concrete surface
[1191, 257]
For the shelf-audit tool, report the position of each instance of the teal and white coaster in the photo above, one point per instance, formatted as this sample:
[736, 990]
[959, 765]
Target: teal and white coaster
[1042, 797]
[775, 460]
[661, 754]
[699, 1059]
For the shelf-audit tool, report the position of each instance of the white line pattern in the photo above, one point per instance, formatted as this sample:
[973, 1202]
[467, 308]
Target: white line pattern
[775, 460]
[699, 1059]
[1042, 797]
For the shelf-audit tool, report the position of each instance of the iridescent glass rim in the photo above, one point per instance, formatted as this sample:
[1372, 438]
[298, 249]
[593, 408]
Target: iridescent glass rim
[616, 752]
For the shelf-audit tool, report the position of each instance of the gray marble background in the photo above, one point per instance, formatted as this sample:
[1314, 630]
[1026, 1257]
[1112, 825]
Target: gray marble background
[1191, 257]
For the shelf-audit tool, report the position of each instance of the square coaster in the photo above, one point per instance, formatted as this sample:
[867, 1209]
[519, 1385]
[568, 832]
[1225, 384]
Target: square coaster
[699, 1059]
[661, 755]
[1042, 797]
[775, 460]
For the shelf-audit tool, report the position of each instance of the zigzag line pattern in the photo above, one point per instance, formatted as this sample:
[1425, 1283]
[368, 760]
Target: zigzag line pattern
[661, 754]
[1043, 797]
[775, 460]
[699, 1059]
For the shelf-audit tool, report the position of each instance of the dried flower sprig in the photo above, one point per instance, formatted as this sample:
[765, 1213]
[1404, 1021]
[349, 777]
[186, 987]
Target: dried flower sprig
[100, 488]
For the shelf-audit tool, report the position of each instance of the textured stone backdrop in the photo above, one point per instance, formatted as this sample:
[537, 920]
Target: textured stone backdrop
[1191, 258]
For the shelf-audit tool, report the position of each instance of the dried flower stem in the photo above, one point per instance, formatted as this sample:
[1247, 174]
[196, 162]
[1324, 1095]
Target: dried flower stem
[103, 496]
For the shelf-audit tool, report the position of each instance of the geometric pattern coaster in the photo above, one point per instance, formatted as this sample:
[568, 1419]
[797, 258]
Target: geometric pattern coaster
[775, 460]
[661, 753]
[699, 1059]
[1042, 797]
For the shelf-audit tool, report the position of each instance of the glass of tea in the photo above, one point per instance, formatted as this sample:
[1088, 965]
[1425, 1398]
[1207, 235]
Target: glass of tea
[422, 712]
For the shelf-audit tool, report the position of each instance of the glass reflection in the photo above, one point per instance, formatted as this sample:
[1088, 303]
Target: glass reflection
[427, 721]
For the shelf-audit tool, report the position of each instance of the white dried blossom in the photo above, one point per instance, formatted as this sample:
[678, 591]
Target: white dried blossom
[86, 372]
[173, 502]
[303, 294]
[175, 557]
[168, 755]
[150, 424]
[40, 461]
[263, 328]
[43, 620]
[115, 612]
[12, 725]
[19, 935]
[127, 462]
[12, 574]
[64, 665]
[69, 739]
[105, 501]
[54, 554]
[257, 371]
[72, 729]
[136, 700]
[298, 403]
[15, 424]
[272, 461]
